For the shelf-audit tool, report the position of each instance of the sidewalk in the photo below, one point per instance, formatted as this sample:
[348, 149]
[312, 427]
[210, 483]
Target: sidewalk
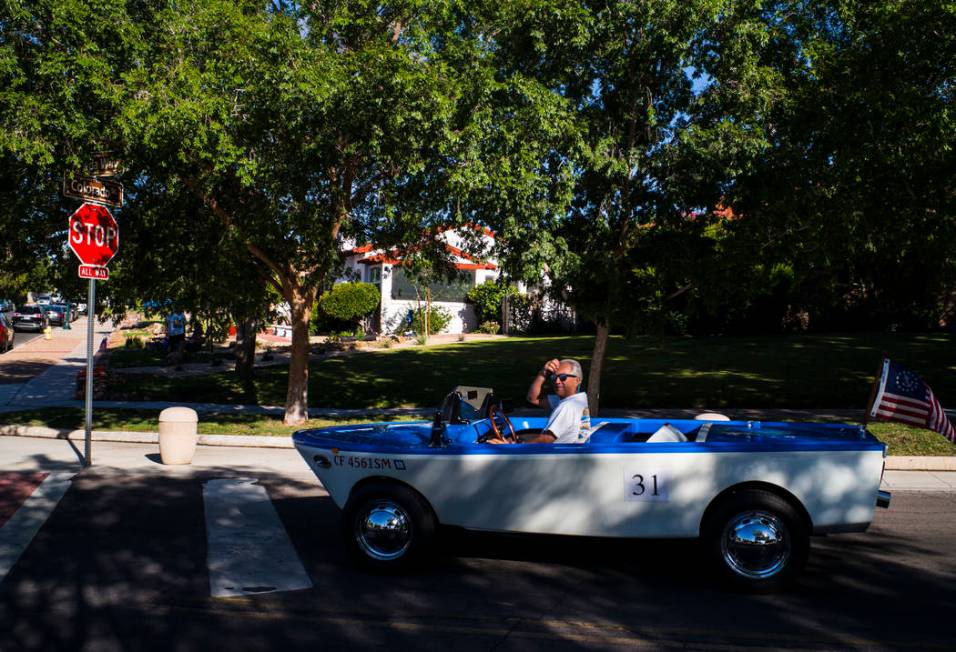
[56, 384]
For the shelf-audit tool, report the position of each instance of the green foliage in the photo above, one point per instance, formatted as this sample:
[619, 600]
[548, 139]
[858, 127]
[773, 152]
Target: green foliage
[133, 342]
[349, 302]
[488, 327]
[486, 299]
[438, 320]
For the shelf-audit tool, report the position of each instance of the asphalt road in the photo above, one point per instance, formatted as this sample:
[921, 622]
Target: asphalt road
[121, 565]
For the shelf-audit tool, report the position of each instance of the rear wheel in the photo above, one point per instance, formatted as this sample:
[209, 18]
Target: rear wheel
[757, 540]
[388, 527]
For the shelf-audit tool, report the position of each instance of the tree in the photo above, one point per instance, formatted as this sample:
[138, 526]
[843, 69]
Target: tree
[295, 125]
[488, 297]
[382, 111]
[172, 248]
[621, 69]
[59, 63]
[834, 125]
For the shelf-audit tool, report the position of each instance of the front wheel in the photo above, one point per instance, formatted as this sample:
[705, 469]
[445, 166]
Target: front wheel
[388, 527]
[757, 540]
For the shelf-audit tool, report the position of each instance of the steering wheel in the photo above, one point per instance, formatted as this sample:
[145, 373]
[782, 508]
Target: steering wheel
[494, 411]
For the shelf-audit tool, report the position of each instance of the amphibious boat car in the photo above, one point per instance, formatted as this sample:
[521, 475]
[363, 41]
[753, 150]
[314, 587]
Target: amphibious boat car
[753, 491]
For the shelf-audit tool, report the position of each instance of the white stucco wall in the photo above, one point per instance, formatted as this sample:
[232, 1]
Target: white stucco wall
[394, 315]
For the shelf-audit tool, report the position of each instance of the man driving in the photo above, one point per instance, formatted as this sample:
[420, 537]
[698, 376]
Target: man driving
[570, 419]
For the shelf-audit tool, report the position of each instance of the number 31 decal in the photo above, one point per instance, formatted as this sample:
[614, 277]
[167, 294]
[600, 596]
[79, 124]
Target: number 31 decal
[644, 485]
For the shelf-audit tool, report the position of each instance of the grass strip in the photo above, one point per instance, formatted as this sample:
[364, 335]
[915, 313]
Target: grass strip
[148, 421]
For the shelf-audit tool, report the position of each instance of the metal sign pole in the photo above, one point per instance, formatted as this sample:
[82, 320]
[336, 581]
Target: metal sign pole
[90, 316]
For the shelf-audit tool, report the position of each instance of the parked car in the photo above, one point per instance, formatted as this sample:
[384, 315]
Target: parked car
[56, 313]
[44, 299]
[753, 492]
[6, 334]
[31, 317]
[7, 307]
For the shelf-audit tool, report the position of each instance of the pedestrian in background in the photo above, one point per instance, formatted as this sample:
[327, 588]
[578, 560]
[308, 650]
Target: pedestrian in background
[176, 336]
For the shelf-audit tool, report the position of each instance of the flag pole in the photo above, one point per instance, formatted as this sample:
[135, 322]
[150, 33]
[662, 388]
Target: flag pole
[873, 387]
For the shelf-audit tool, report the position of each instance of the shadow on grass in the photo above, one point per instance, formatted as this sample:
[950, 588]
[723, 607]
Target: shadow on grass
[800, 371]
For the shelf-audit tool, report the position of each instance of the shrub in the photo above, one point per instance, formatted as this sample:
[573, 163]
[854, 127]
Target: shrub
[487, 297]
[489, 327]
[134, 342]
[438, 319]
[349, 302]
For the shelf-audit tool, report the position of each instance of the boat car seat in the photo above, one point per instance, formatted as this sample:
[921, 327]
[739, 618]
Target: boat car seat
[667, 433]
[594, 430]
[712, 416]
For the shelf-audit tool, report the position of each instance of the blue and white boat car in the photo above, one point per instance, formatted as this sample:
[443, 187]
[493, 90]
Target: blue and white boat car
[754, 492]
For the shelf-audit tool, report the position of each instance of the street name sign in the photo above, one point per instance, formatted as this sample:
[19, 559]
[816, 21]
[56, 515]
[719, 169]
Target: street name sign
[105, 165]
[94, 272]
[90, 189]
[93, 234]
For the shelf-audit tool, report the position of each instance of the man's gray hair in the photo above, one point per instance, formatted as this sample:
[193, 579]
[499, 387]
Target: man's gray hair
[575, 368]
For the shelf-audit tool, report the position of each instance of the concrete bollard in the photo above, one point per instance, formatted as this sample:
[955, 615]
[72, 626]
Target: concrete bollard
[177, 435]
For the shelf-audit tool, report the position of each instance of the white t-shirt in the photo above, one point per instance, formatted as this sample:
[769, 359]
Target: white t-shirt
[566, 418]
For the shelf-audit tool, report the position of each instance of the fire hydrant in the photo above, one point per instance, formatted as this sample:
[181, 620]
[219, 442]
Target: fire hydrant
[48, 333]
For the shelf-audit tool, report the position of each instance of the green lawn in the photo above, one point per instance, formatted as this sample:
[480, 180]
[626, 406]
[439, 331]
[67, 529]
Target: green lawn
[801, 371]
[147, 421]
[133, 357]
[905, 440]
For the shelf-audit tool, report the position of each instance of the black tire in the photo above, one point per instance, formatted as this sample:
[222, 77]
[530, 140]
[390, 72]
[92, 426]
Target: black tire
[771, 545]
[405, 537]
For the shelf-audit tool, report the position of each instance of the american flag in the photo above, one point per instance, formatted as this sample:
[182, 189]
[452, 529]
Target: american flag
[903, 396]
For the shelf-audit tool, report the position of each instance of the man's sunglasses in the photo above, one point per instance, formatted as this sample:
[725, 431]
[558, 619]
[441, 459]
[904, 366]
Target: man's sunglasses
[562, 377]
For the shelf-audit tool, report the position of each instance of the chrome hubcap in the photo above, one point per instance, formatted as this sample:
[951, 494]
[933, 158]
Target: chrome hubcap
[383, 530]
[755, 545]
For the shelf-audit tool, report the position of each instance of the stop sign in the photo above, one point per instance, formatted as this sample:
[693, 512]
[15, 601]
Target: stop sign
[94, 234]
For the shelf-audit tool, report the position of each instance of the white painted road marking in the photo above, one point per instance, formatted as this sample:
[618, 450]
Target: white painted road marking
[17, 533]
[249, 551]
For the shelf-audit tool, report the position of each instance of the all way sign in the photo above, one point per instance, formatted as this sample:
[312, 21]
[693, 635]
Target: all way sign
[95, 272]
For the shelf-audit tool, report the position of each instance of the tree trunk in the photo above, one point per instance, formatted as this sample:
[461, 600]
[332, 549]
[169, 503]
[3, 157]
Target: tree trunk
[246, 347]
[297, 397]
[428, 309]
[597, 364]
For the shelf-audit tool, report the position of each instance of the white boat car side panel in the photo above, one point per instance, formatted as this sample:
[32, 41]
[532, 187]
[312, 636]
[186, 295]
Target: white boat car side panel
[640, 494]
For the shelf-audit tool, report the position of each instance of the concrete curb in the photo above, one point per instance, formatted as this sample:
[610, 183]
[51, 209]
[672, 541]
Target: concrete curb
[934, 463]
[123, 436]
[893, 462]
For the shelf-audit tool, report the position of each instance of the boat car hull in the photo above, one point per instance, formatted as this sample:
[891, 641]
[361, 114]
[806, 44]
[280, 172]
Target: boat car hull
[616, 484]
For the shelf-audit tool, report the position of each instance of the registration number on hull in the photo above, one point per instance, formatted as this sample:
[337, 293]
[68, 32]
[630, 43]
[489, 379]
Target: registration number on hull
[375, 463]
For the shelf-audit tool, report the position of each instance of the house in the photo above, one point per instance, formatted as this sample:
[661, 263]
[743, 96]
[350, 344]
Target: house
[383, 269]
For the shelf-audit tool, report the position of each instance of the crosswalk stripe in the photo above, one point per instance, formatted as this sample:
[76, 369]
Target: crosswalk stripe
[17, 533]
[249, 551]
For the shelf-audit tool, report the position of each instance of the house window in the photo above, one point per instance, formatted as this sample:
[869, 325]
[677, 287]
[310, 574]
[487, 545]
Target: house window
[402, 288]
[375, 275]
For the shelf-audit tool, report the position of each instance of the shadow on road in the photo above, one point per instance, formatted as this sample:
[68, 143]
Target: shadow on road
[121, 564]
